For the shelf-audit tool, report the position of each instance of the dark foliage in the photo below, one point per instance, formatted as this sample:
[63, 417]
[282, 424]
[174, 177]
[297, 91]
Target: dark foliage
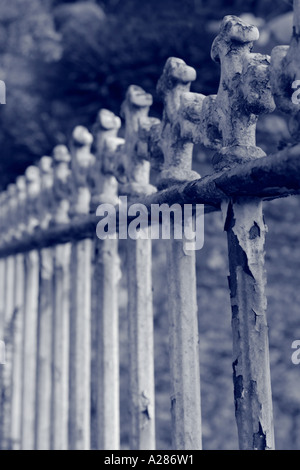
[62, 61]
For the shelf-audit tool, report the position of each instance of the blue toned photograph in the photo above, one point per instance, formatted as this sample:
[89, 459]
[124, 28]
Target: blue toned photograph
[149, 227]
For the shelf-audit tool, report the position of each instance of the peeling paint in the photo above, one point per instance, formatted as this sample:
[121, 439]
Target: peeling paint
[254, 232]
[146, 406]
[251, 373]
[259, 439]
[238, 384]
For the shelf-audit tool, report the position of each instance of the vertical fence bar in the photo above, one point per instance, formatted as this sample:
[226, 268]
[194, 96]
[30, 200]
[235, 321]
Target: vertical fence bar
[140, 310]
[80, 299]
[44, 351]
[177, 145]
[61, 325]
[61, 301]
[8, 369]
[140, 318]
[2, 297]
[11, 203]
[16, 407]
[45, 314]
[18, 329]
[106, 276]
[3, 228]
[184, 348]
[105, 288]
[243, 95]
[80, 345]
[2, 344]
[30, 349]
[251, 367]
[31, 301]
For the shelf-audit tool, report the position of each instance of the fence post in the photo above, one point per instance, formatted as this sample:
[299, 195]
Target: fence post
[106, 276]
[243, 95]
[80, 298]
[2, 344]
[177, 146]
[3, 229]
[9, 314]
[45, 314]
[16, 385]
[61, 303]
[30, 315]
[2, 305]
[140, 310]
[16, 407]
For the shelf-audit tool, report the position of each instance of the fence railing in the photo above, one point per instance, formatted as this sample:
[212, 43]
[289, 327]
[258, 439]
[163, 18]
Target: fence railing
[59, 281]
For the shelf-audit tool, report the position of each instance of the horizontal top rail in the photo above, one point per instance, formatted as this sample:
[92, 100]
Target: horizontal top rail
[267, 178]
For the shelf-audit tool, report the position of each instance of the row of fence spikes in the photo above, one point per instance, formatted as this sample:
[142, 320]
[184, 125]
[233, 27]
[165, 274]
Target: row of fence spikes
[71, 184]
[51, 192]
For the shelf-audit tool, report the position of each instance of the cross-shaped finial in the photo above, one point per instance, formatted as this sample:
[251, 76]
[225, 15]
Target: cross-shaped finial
[106, 130]
[33, 188]
[135, 110]
[81, 162]
[3, 211]
[62, 186]
[148, 146]
[12, 204]
[46, 195]
[182, 111]
[244, 92]
[285, 76]
[107, 144]
[21, 196]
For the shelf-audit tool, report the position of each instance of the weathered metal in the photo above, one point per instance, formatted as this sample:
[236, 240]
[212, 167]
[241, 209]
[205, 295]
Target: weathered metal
[59, 281]
[44, 350]
[139, 280]
[80, 297]
[16, 376]
[30, 349]
[244, 94]
[272, 177]
[106, 275]
[60, 347]
[174, 88]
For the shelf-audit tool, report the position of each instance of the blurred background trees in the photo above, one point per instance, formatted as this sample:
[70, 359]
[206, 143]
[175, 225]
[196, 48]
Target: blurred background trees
[62, 61]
